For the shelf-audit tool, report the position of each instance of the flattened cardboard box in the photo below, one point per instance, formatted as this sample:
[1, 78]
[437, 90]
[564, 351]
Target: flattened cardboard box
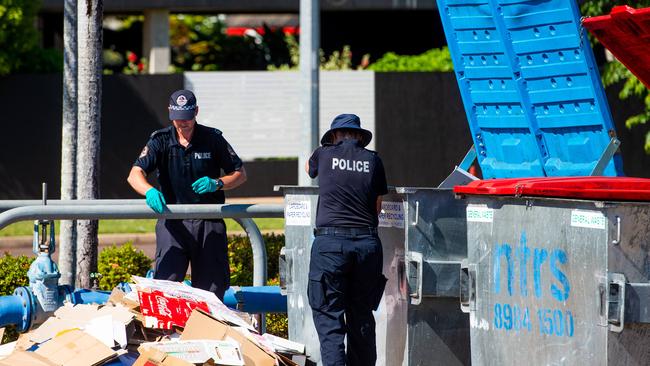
[154, 357]
[201, 325]
[75, 348]
[24, 358]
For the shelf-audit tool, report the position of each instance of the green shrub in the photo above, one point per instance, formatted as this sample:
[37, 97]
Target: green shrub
[13, 273]
[241, 258]
[117, 264]
[437, 59]
[241, 273]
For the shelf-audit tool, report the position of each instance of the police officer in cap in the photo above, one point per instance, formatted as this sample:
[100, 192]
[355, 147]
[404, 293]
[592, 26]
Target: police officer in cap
[345, 272]
[189, 158]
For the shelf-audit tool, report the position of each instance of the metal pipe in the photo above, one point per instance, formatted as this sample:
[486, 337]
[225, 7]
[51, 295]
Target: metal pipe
[9, 204]
[11, 310]
[259, 256]
[95, 212]
[259, 250]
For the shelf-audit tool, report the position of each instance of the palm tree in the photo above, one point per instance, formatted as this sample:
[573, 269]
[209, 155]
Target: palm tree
[68, 240]
[89, 36]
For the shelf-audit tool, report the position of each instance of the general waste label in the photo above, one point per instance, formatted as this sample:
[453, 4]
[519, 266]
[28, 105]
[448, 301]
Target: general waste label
[297, 213]
[479, 214]
[392, 215]
[588, 219]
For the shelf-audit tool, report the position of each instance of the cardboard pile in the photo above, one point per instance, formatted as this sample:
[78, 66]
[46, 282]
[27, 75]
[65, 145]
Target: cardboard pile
[159, 323]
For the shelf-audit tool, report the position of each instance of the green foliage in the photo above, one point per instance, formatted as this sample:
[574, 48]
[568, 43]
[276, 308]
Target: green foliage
[337, 60]
[241, 273]
[601, 7]
[615, 72]
[13, 273]
[437, 59]
[199, 43]
[19, 49]
[241, 258]
[117, 263]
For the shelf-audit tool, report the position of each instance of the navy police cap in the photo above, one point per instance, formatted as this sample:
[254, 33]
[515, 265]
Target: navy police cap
[348, 122]
[182, 105]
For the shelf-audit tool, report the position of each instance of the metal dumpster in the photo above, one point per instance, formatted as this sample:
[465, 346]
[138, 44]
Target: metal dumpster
[558, 271]
[423, 233]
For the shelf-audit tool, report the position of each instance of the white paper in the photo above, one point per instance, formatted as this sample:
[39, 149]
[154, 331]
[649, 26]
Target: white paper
[200, 351]
[479, 213]
[392, 215]
[102, 329]
[7, 349]
[588, 219]
[297, 212]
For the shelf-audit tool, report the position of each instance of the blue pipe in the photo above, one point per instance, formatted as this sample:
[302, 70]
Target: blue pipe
[256, 299]
[83, 296]
[11, 310]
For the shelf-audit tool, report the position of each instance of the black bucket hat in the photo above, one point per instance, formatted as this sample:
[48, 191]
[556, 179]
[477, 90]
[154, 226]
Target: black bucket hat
[182, 105]
[348, 122]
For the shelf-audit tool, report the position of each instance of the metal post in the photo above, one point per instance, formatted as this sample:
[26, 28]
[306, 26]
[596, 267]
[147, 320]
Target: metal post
[309, 83]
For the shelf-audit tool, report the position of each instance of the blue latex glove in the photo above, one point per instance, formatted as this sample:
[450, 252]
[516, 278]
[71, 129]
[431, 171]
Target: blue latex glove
[206, 185]
[155, 200]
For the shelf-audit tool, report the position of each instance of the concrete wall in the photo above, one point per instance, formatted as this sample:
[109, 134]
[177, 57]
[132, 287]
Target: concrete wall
[258, 111]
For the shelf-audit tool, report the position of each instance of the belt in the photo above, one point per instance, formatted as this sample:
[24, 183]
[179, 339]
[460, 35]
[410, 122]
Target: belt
[352, 231]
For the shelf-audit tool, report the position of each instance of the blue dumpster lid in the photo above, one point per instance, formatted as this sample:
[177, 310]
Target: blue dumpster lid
[530, 86]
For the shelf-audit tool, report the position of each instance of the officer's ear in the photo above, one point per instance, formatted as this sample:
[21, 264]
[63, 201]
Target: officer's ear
[196, 111]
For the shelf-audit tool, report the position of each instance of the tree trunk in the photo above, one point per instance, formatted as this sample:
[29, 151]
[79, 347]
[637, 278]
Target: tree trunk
[68, 233]
[89, 28]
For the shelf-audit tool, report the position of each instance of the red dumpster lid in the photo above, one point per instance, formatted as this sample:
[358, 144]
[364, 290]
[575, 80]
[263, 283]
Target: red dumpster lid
[592, 188]
[626, 32]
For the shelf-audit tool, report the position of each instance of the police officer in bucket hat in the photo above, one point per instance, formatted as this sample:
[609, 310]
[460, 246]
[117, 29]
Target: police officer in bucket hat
[345, 272]
[189, 158]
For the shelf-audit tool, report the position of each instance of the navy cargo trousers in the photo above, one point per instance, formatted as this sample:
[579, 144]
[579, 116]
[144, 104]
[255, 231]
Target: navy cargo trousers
[345, 286]
[199, 242]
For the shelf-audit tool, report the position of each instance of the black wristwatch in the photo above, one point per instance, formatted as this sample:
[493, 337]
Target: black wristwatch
[219, 184]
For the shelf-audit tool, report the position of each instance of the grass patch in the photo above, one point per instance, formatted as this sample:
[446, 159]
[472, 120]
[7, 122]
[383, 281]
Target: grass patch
[134, 226]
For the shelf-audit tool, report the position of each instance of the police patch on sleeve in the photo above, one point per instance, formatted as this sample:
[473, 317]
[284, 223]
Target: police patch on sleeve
[144, 152]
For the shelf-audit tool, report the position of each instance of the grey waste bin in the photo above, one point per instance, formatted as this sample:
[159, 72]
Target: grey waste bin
[423, 233]
[552, 281]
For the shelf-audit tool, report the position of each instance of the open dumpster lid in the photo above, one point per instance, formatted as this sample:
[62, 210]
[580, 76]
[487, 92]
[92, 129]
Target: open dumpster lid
[626, 32]
[530, 87]
[592, 188]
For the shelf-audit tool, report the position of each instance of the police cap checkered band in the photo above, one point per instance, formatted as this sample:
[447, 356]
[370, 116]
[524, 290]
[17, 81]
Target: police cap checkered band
[182, 105]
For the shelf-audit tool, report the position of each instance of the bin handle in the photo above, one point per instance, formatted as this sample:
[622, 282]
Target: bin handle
[417, 214]
[616, 302]
[285, 269]
[617, 241]
[414, 277]
[467, 286]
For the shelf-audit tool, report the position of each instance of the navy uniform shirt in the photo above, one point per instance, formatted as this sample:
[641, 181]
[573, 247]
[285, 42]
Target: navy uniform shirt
[178, 167]
[350, 180]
